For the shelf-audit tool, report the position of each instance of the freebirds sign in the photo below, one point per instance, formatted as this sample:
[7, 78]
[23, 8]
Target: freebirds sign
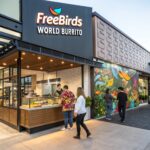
[58, 20]
[58, 26]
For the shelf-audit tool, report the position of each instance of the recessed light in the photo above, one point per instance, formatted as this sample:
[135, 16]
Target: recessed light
[62, 62]
[41, 68]
[51, 60]
[4, 64]
[71, 65]
[16, 59]
[23, 53]
[39, 58]
[28, 66]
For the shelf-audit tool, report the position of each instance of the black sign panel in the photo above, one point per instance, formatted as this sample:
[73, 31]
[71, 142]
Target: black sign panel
[62, 27]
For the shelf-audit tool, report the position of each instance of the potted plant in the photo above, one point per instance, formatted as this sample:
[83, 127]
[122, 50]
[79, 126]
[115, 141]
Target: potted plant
[88, 108]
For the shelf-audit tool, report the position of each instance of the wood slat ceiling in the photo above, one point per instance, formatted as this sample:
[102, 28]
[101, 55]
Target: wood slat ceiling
[37, 62]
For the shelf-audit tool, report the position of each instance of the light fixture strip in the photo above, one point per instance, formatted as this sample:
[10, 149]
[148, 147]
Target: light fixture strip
[4, 40]
[10, 32]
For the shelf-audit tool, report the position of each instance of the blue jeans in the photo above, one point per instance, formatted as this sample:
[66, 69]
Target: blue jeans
[108, 110]
[68, 118]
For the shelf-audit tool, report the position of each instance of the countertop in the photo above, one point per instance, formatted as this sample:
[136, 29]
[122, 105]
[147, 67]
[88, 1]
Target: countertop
[39, 108]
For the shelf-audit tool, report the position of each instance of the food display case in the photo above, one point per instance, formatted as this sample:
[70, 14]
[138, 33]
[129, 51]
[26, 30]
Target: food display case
[40, 102]
[40, 111]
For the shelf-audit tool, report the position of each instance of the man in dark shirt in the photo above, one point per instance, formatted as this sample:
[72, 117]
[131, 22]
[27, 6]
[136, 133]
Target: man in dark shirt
[59, 90]
[122, 98]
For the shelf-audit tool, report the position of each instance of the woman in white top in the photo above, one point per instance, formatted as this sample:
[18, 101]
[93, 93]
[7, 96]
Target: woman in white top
[80, 112]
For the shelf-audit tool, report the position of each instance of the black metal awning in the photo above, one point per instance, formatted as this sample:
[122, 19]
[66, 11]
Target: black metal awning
[23, 46]
[10, 30]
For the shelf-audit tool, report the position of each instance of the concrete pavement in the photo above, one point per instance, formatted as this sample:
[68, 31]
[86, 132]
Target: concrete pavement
[132, 135]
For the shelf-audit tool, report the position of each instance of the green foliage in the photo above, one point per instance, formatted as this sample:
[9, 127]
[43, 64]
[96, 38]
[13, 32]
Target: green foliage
[100, 106]
[88, 101]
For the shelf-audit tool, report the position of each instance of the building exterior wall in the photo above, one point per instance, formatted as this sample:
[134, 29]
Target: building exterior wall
[87, 80]
[113, 46]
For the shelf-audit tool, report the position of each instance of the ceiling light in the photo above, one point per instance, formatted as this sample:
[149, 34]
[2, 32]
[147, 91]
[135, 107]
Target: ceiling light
[23, 53]
[4, 40]
[62, 62]
[4, 64]
[41, 68]
[51, 60]
[39, 58]
[28, 66]
[16, 59]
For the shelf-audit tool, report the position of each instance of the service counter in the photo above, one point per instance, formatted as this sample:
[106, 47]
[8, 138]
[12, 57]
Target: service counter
[40, 116]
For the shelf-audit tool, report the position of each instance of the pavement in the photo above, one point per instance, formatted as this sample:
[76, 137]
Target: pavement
[138, 118]
[105, 136]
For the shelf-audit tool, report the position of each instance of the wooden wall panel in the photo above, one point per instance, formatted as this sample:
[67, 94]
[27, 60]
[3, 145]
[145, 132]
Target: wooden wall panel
[36, 118]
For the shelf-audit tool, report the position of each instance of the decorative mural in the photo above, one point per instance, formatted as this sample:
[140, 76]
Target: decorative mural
[113, 76]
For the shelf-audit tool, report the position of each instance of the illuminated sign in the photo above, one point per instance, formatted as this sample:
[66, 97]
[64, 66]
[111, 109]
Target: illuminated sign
[62, 27]
[53, 23]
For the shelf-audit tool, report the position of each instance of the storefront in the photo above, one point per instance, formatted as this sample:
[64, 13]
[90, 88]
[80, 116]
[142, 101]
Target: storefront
[40, 105]
[54, 46]
[49, 43]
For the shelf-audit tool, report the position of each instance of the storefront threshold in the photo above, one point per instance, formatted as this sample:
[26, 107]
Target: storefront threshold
[45, 127]
[9, 124]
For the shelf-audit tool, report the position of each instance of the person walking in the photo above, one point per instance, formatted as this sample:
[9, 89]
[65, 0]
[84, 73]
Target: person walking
[108, 98]
[67, 99]
[80, 112]
[122, 99]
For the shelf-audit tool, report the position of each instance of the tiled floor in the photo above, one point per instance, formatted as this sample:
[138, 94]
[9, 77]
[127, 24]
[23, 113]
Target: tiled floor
[105, 136]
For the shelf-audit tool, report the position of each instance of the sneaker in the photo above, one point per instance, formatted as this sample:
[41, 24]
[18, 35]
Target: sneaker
[64, 129]
[122, 121]
[70, 128]
[76, 137]
[88, 135]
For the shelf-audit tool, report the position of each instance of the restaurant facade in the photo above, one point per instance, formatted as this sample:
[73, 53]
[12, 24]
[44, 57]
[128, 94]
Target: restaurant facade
[43, 43]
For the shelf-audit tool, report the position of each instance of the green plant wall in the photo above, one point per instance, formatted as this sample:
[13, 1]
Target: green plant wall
[113, 76]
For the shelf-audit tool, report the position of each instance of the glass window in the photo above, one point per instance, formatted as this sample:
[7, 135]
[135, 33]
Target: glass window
[8, 88]
[13, 92]
[6, 94]
[1, 74]
[6, 72]
[10, 8]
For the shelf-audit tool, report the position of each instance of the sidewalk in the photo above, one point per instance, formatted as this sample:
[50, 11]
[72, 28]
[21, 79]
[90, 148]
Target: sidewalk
[105, 136]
